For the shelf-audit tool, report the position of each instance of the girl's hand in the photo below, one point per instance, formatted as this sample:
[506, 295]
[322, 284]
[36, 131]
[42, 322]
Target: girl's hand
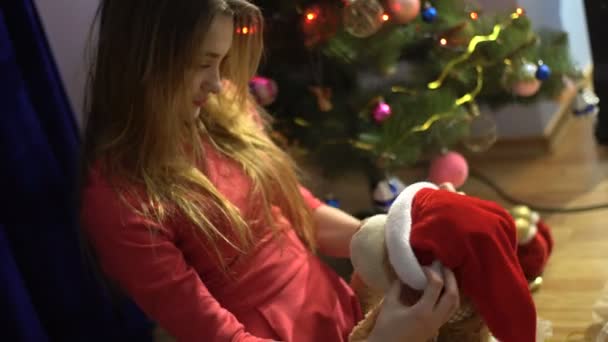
[420, 322]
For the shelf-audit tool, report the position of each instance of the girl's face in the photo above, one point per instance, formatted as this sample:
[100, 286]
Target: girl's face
[206, 78]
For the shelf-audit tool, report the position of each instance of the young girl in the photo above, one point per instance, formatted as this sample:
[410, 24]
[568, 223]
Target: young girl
[191, 208]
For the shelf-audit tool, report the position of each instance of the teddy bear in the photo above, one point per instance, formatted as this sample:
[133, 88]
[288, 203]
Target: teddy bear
[476, 239]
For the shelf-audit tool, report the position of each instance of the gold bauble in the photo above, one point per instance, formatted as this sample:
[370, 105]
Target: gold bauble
[524, 227]
[362, 18]
[521, 211]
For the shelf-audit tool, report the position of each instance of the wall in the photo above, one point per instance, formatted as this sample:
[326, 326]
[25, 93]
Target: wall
[67, 23]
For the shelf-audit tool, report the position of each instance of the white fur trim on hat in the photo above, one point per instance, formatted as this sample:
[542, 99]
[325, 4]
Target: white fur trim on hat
[397, 235]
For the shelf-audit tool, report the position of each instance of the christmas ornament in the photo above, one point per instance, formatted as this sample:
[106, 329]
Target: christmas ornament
[332, 201]
[522, 83]
[385, 193]
[429, 13]
[404, 11]
[264, 90]
[483, 132]
[526, 88]
[544, 72]
[529, 85]
[450, 167]
[586, 103]
[382, 111]
[529, 70]
[319, 24]
[362, 18]
[323, 95]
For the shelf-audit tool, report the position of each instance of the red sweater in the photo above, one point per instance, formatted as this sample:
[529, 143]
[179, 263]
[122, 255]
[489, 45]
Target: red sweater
[280, 291]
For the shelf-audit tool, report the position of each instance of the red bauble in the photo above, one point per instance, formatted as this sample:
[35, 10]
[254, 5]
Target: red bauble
[449, 167]
[404, 11]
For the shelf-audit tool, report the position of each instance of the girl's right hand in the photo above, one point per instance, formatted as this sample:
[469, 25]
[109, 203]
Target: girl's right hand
[420, 322]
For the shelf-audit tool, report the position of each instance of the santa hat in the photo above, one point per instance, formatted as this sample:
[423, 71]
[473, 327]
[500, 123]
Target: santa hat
[474, 238]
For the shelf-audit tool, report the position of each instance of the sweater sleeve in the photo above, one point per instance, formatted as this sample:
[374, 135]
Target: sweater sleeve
[144, 261]
[312, 201]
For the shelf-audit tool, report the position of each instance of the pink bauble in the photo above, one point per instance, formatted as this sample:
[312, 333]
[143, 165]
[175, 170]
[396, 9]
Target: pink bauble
[526, 88]
[404, 11]
[263, 89]
[449, 167]
[382, 112]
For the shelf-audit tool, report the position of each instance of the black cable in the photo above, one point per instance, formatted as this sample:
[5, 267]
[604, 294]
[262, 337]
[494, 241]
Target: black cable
[491, 184]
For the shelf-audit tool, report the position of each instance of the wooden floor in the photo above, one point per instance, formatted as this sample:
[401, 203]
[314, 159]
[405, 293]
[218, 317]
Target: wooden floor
[575, 174]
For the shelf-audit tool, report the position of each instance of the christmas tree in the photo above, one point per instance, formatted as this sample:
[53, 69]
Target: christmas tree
[378, 84]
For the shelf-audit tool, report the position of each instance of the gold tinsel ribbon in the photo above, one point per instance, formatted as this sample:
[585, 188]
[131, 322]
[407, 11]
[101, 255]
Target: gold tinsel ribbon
[466, 98]
[476, 40]
[470, 49]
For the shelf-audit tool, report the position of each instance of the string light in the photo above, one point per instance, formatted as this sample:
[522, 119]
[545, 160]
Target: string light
[443, 42]
[385, 17]
[474, 15]
[245, 30]
[519, 11]
[311, 16]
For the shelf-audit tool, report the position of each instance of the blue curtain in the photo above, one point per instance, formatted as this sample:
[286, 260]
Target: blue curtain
[47, 293]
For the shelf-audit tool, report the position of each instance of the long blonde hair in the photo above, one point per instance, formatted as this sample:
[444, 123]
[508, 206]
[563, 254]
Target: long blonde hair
[136, 105]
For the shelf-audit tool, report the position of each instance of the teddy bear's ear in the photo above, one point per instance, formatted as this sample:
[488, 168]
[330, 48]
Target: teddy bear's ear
[367, 253]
